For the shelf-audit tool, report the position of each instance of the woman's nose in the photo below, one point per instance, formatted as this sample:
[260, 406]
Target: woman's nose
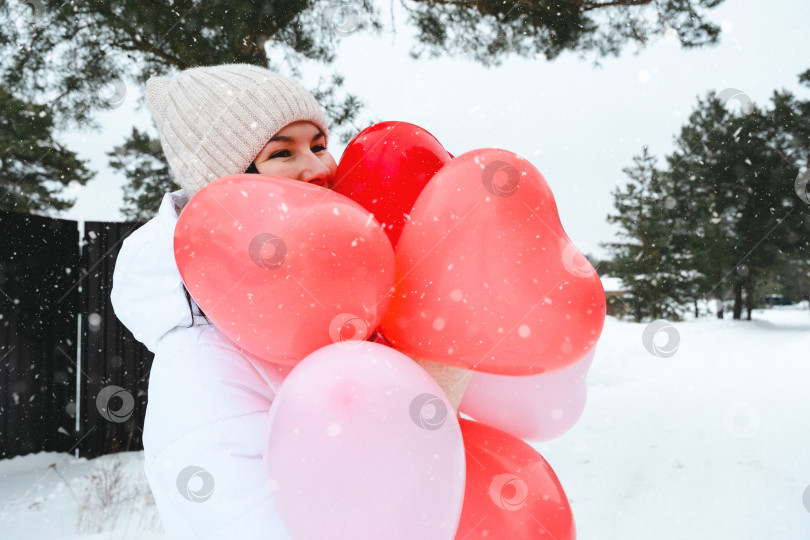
[315, 171]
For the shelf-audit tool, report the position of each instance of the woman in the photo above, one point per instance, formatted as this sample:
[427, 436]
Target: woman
[208, 398]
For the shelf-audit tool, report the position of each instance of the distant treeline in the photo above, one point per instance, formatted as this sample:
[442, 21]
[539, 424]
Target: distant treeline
[727, 217]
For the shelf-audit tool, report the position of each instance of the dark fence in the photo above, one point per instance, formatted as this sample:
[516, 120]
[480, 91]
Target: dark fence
[55, 304]
[115, 365]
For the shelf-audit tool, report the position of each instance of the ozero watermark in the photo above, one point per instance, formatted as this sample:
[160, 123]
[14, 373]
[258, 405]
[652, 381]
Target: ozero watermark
[268, 251]
[113, 93]
[107, 395]
[733, 98]
[508, 492]
[428, 411]
[348, 329]
[741, 419]
[195, 484]
[655, 332]
[802, 186]
[500, 178]
[343, 18]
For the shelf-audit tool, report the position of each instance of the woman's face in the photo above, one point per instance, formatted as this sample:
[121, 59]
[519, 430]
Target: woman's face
[298, 151]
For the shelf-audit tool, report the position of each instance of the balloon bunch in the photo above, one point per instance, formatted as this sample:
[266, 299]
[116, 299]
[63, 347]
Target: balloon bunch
[457, 260]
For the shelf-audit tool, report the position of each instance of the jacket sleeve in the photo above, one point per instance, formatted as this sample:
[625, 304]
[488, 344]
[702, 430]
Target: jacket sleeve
[145, 270]
[204, 436]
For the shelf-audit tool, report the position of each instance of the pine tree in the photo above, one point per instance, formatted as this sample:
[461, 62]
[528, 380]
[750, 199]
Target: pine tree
[489, 30]
[141, 160]
[34, 167]
[788, 132]
[737, 223]
[645, 260]
[738, 199]
[67, 54]
[83, 48]
[98, 42]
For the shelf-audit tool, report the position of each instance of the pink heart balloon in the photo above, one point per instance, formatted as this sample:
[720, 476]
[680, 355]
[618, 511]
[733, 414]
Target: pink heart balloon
[363, 445]
[534, 407]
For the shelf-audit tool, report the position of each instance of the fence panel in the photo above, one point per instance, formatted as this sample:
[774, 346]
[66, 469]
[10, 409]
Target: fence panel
[115, 366]
[39, 304]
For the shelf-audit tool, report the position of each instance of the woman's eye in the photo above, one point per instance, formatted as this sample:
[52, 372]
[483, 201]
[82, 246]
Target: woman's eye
[285, 153]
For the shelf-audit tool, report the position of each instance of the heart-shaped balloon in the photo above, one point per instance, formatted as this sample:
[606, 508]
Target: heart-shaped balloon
[385, 167]
[511, 491]
[283, 267]
[487, 279]
[532, 407]
[363, 445]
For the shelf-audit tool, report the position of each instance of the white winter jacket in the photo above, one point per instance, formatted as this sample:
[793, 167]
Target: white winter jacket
[208, 398]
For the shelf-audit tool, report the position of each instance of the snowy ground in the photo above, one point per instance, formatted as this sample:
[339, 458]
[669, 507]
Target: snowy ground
[710, 443]
[50, 495]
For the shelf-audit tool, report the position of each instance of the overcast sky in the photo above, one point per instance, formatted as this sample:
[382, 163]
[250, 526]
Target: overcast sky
[578, 124]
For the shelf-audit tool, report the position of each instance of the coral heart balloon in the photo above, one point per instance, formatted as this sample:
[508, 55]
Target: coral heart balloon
[487, 278]
[283, 267]
[385, 167]
[511, 491]
[363, 445]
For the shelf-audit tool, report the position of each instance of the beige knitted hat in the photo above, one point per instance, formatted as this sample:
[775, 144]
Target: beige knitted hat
[213, 121]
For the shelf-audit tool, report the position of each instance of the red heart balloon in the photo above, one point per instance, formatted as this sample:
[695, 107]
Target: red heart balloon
[487, 278]
[283, 267]
[385, 167]
[511, 491]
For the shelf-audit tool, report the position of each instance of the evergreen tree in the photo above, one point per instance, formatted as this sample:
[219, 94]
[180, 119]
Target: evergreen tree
[788, 131]
[741, 207]
[70, 50]
[69, 54]
[141, 160]
[738, 223]
[34, 167]
[83, 49]
[489, 30]
[645, 260]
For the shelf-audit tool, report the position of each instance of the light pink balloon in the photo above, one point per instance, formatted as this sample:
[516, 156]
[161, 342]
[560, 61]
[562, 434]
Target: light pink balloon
[363, 444]
[533, 408]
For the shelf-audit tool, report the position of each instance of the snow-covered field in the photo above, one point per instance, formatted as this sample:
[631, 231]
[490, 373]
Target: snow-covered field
[712, 442]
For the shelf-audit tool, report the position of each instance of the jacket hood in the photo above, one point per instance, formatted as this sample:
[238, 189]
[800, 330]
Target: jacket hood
[147, 293]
